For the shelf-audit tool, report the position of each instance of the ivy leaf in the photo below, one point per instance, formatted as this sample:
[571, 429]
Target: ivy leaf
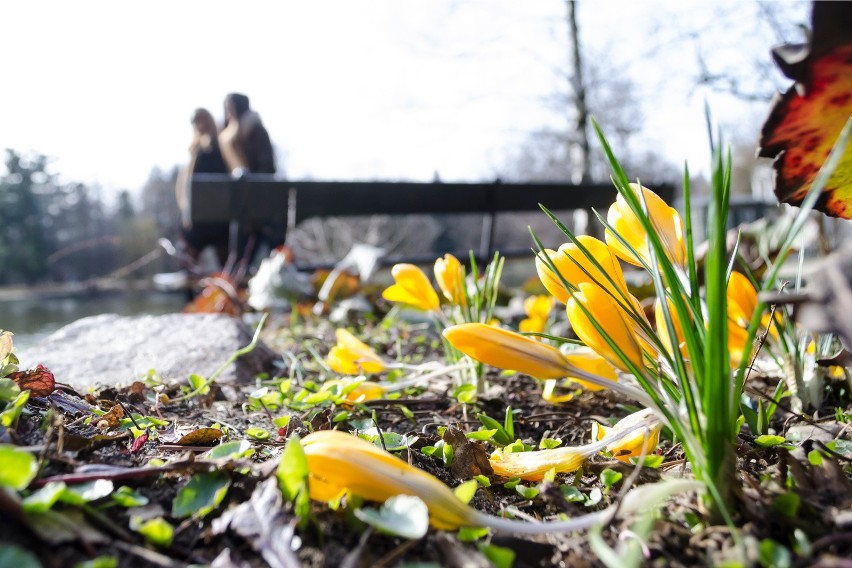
[11, 555]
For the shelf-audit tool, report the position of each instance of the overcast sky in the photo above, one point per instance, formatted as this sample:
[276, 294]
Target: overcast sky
[384, 89]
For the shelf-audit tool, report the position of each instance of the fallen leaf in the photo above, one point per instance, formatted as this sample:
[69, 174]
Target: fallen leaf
[805, 122]
[199, 437]
[470, 458]
[38, 381]
[112, 418]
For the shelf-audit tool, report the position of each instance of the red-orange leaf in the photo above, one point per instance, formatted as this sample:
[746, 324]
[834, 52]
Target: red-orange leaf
[805, 122]
[38, 381]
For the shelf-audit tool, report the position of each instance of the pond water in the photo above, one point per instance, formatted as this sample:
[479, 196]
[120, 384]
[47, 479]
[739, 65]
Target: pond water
[32, 319]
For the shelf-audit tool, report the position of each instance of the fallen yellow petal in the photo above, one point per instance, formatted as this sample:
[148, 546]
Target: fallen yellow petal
[633, 443]
[339, 462]
[352, 357]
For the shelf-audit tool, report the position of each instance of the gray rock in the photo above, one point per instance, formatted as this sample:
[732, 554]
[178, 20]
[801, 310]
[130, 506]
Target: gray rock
[110, 349]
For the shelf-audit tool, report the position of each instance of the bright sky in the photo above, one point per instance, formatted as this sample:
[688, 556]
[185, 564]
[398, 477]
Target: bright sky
[374, 89]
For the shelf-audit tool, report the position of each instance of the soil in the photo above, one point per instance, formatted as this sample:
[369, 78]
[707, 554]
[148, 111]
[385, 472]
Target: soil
[56, 428]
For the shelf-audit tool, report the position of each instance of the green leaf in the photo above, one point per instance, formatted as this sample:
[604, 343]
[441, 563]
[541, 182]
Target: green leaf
[466, 490]
[405, 516]
[233, 450]
[815, 458]
[293, 469]
[653, 461]
[256, 433]
[572, 494]
[17, 468]
[501, 436]
[769, 441]
[127, 497]
[482, 480]
[197, 382]
[282, 421]
[787, 504]
[99, 562]
[11, 555]
[81, 493]
[13, 411]
[340, 416]
[512, 483]
[203, 493]
[158, 531]
[509, 424]
[471, 534]
[43, 499]
[9, 390]
[610, 477]
[773, 555]
[550, 475]
[465, 393]
[527, 492]
[481, 435]
[594, 497]
[549, 443]
[499, 556]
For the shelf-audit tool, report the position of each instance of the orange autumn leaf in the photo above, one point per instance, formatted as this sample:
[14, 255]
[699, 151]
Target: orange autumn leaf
[38, 381]
[805, 122]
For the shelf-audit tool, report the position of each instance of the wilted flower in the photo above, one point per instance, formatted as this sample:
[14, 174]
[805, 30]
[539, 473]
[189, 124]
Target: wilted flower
[642, 433]
[353, 357]
[449, 274]
[412, 287]
[533, 465]
[339, 462]
[569, 259]
[537, 309]
[666, 220]
[613, 320]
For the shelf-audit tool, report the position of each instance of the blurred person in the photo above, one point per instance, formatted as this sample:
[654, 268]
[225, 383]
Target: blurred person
[205, 156]
[245, 143]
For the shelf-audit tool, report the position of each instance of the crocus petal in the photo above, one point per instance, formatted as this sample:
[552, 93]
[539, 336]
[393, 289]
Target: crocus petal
[587, 360]
[666, 220]
[366, 390]
[450, 274]
[611, 318]
[742, 299]
[339, 462]
[532, 325]
[412, 287]
[663, 330]
[538, 307]
[506, 349]
[576, 267]
[533, 465]
[351, 356]
[632, 444]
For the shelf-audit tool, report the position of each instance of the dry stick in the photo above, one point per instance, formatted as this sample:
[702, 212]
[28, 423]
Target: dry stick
[124, 473]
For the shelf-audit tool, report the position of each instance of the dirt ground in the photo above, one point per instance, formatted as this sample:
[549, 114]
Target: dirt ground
[71, 446]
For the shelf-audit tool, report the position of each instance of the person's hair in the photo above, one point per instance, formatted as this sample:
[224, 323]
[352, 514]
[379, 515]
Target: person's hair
[239, 102]
[204, 122]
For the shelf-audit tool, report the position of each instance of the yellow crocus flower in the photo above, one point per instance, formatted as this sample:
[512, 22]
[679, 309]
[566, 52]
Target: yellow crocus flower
[537, 309]
[666, 220]
[339, 462]
[742, 299]
[568, 261]
[353, 357]
[366, 390]
[662, 329]
[633, 443]
[506, 349]
[616, 323]
[412, 287]
[450, 274]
